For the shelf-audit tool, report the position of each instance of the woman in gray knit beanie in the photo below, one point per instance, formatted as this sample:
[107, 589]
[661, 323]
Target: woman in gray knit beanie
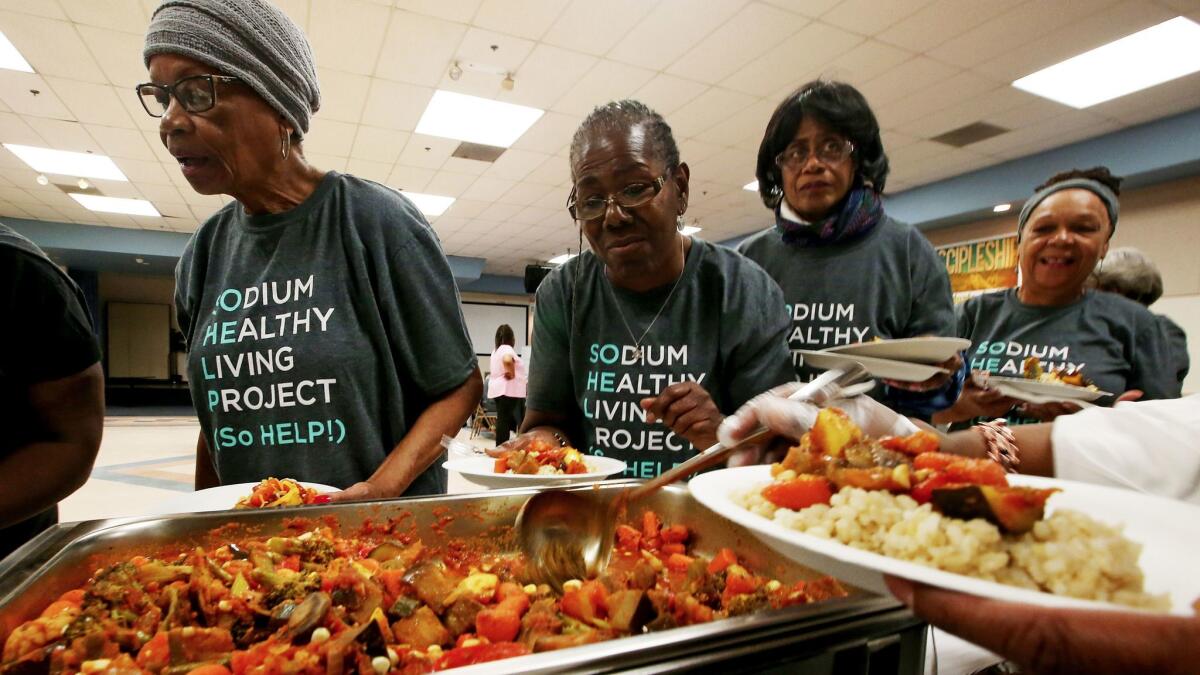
[324, 331]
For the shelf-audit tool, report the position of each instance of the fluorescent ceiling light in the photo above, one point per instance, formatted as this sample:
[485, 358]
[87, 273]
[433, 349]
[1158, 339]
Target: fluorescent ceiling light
[560, 259]
[1146, 58]
[10, 58]
[476, 120]
[1001, 208]
[66, 163]
[689, 230]
[133, 207]
[431, 205]
[751, 186]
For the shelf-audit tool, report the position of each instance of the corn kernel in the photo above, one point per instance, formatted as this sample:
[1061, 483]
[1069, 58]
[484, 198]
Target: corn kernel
[224, 606]
[320, 634]
[786, 474]
[470, 642]
[434, 650]
[773, 585]
[393, 657]
[530, 589]
[188, 631]
[94, 666]
[572, 585]
[381, 665]
[305, 537]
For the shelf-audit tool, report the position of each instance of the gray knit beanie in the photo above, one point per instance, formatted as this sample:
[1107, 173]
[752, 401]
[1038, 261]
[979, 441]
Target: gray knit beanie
[1106, 195]
[250, 39]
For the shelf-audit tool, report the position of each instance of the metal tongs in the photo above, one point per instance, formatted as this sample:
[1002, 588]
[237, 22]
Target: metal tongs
[568, 534]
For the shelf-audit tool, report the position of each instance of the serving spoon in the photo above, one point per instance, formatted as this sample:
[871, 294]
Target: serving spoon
[568, 534]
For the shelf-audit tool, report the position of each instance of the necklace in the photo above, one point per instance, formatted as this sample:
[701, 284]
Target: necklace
[637, 341]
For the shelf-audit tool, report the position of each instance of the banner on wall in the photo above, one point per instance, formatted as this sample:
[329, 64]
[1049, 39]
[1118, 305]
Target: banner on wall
[980, 266]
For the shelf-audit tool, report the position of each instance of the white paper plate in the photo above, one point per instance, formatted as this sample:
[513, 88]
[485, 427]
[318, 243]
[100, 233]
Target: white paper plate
[482, 470]
[221, 498]
[1043, 391]
[928, 350]
[1168, 530]
[882, 368]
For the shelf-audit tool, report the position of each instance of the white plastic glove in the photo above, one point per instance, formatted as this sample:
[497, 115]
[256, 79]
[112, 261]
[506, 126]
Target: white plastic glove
[792, 418]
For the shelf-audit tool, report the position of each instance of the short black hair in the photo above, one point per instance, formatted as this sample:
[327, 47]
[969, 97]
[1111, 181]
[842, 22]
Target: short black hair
[505, 336]
[839, 106]
[622, 115]
[1100, 174]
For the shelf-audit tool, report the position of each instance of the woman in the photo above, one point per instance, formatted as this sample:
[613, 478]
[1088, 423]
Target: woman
[506, 383]
[1129, 272]
[849, 272]
[650, 326]
[326, 340]
[1062, 231]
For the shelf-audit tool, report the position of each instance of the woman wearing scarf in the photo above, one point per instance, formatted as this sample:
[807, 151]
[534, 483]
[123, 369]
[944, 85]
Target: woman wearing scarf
[849, 272]
[1062, 232]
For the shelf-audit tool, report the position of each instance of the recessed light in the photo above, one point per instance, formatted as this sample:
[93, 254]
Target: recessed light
[42, 180]
[67, 163]
[10, 58]
[133, 207]
[139, 261]
[475, 119]
[430, 205]
[1001, 208]
[1146, 58]
[83, 184]
[689, 230]
[751, 186]
[560, 259]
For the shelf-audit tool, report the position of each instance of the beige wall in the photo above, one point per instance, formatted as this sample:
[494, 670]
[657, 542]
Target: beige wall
[144, 288]
[1164, 222]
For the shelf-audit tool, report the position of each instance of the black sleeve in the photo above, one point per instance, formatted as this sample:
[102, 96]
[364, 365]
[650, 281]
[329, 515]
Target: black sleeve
[50, 333]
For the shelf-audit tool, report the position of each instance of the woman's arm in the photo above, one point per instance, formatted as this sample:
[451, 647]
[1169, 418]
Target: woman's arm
[206, 470]
[510, 367]
[1033, 441]
[421, 446]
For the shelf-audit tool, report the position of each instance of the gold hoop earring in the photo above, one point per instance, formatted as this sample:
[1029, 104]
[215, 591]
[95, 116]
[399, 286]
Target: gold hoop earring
[285, 142]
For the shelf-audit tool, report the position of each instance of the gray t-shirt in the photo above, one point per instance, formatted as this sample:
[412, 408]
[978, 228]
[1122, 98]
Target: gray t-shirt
[888, 284]
[1118, 343]
[317, 336]
[724, 327]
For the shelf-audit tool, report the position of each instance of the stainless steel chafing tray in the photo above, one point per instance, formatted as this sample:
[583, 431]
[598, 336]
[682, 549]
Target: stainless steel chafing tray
[862, 633]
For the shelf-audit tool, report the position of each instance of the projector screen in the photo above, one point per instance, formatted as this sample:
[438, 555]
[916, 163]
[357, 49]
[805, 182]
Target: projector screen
[484, 318]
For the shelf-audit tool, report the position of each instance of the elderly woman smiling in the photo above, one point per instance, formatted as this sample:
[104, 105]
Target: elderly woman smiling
[325, 336]
[650, 325]
[1062, 231]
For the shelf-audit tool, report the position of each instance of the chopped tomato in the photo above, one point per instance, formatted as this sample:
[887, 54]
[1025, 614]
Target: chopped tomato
[668, 549]
[628, 538]
[586, 603]
[650, 525]
[798, 493]
[724, 558]
[679, 562]
[916, 443]
[210, 669]
[292, 562]
[675, 534]
[502, 464]
[922, 492]
[465, 656]
[962, 469]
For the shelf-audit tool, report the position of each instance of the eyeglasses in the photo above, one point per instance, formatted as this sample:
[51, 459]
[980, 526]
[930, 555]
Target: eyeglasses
[630, 197]
[830, 152]
[196, 94]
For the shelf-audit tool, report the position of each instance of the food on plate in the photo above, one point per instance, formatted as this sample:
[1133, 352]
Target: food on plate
[312, 600]
[280, 492]
[542, 458]
[1031, 369]
[899, 497]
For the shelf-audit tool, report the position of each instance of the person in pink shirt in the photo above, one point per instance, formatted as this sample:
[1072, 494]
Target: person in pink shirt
[506, 385]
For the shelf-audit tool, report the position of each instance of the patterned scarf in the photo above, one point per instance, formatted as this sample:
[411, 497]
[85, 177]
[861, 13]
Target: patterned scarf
[860, 212]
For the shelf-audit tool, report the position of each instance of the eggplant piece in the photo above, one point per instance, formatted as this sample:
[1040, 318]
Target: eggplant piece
[403, 607]
[1012, 509]
[629, 611]
[386, 551]
[373, 639]
[460, 617]
[306, 617]
[421, 630]
[433, 583]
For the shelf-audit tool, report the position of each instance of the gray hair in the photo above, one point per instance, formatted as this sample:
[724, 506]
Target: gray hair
[1129, 272]
[624, 115]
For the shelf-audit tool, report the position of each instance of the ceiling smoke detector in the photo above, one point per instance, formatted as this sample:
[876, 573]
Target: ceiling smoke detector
[508, 82]
[456, 71]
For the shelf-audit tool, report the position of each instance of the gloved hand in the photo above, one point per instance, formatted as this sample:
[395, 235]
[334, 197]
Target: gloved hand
[790, 419]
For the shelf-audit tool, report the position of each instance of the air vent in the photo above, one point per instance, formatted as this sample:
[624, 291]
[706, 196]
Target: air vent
[972, 133]
[477, 152]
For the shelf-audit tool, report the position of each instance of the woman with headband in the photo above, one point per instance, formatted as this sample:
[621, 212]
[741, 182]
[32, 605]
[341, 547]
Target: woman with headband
[1063, 230]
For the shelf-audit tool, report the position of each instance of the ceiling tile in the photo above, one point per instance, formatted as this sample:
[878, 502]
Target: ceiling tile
[52, 47]
[156, 193]
[938, 22]
[1019, 25]
[466, 209]
[460, 165]
[490, 50]
[861, 64]
[667, 93]
[363, 168]
[65, 135]
[378, 145]
[546, 75]
[94, 103]
[122, 143]
[554, 171]
[692, 150]
[414, 179]
[450, 10]
[531, 215]
[811, 49]
[16, 90]
[14, 129]
[706, 110]
[594, 27]
[741, 129]
[417, 48]
[395, 105]
[868, 17]
[923, 102]
[449, 183]
[549, 134]
[118, 54]
[429, 152]
[488, 189]
[325, 162]
[329, 137]
[912, 75]
[671, 30]
[115, 14]
[296, 10]
[46, 8]
[751, 32]
[607, 81]
[527, 19]
[516, 164]
[962, 110]
[526, 194]
[346, 34]
[809, 8]
[343, 95]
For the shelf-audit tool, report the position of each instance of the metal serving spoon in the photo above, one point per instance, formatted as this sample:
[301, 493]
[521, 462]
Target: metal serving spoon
[569, 534]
